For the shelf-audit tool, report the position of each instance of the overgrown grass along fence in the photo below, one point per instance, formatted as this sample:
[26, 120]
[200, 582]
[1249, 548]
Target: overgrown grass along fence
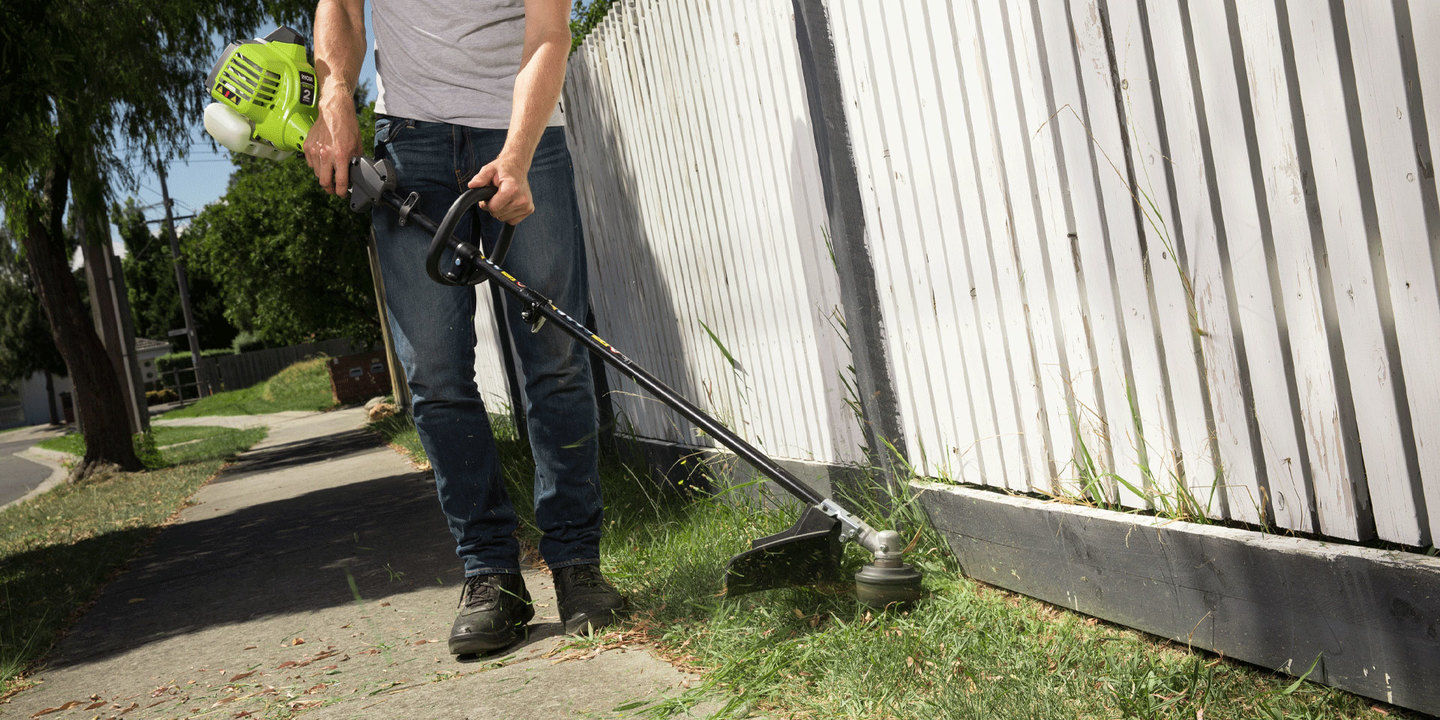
[966, 651]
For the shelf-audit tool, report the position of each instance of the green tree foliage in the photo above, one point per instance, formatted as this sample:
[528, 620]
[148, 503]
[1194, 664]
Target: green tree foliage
[85, 84]
[25, 343]
[150, 281]
[584, 16]
[288, 260]
[100, 79]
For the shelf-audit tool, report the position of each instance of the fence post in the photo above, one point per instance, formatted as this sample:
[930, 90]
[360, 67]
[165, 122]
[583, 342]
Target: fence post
[507, 357]
[398, 385]
[859, 294]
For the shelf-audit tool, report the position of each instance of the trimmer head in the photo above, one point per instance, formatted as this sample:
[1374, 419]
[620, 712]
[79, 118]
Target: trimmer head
[808, 552]
[887, 582]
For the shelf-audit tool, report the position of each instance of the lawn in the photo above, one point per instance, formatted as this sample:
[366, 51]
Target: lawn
[968, 650]
[74, 443]
[302, 386]
[57, 550]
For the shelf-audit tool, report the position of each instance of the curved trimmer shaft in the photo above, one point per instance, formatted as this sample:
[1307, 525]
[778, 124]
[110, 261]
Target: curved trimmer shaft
[805, 553]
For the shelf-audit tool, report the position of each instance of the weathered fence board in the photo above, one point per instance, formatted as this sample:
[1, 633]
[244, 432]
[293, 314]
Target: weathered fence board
[1358, 618]
[708, 255]
[1397, 227]
[1180, 256]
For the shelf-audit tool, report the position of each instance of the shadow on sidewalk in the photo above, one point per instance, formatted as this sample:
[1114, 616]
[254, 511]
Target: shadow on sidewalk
[301, 452]
[366, 539]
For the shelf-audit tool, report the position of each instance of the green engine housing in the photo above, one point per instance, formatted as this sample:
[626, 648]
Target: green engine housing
[271, 83]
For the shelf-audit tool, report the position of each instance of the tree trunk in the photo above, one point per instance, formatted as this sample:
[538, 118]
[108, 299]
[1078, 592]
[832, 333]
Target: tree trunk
[50, 398]
[97, 395]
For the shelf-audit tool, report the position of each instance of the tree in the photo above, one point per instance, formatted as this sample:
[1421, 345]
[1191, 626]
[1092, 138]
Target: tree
[289, 260]
[584, 16]
[150, 281]
[25, 343]
[85, 84]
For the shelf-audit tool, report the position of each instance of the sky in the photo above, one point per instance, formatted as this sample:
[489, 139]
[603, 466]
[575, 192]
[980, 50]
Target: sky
[200, 178]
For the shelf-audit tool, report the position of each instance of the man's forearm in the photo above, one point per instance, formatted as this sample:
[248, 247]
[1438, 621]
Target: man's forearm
[537, 89]
[339, 47]
[339, 52]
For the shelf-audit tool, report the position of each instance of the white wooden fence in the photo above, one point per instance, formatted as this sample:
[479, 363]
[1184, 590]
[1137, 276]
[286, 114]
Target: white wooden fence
[1181, 255]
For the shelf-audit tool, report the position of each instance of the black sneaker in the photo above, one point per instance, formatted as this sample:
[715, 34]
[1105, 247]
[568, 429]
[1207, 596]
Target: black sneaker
[587, 602]
[493, 613]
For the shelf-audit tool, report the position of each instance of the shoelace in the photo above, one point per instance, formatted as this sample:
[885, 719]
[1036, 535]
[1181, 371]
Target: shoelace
[588, 576]
[478, 590]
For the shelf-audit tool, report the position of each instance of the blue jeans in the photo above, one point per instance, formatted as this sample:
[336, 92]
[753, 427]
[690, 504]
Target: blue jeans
[434, 331]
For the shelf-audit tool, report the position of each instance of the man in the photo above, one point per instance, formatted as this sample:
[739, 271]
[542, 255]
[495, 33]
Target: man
[468, 93]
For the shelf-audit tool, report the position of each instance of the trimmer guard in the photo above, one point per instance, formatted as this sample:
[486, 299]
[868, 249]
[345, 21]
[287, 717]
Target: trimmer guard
[808, 552]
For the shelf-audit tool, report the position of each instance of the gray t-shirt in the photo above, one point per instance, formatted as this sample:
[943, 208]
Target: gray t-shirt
[449, 60]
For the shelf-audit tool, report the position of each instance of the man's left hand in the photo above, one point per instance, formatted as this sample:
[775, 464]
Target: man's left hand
[512, 201]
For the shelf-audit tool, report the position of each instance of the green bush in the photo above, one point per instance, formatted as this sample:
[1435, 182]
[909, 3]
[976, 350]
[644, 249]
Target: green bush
[247, 341]
[147, 451]
[166, 363]
[181, 360]
[163, 395]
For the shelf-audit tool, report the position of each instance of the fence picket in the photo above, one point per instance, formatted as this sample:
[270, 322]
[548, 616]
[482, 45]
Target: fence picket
[1112, 239]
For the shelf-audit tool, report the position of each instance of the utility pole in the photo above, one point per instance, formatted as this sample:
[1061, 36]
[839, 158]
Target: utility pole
[109, 306]
[110, 311]
[120, 297]
[182, 282]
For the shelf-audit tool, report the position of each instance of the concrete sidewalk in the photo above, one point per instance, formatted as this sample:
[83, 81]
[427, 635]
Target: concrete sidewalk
[315, 578]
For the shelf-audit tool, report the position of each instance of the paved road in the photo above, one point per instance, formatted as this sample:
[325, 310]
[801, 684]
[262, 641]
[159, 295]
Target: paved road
[18, 475]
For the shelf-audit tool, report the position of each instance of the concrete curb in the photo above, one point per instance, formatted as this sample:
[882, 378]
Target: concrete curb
[52, 459]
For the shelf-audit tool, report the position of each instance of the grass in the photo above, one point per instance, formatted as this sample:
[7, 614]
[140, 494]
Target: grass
[399, 430]
[57, 550]
[302, 386]
[966, 651]
[160, 437]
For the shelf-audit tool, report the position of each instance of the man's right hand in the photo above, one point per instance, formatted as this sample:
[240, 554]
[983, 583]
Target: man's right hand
[332, 141]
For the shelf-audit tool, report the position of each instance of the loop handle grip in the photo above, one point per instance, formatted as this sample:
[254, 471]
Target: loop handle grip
[444, 239]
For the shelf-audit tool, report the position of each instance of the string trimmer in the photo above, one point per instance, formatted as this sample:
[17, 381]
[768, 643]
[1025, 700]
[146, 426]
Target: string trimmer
[265, 103]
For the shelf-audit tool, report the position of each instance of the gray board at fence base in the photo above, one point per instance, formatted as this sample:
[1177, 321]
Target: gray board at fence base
[1372, 616]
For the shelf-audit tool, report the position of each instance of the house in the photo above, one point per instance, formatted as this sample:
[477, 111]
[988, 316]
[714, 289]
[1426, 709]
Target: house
[149, 351]
[41, 406]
